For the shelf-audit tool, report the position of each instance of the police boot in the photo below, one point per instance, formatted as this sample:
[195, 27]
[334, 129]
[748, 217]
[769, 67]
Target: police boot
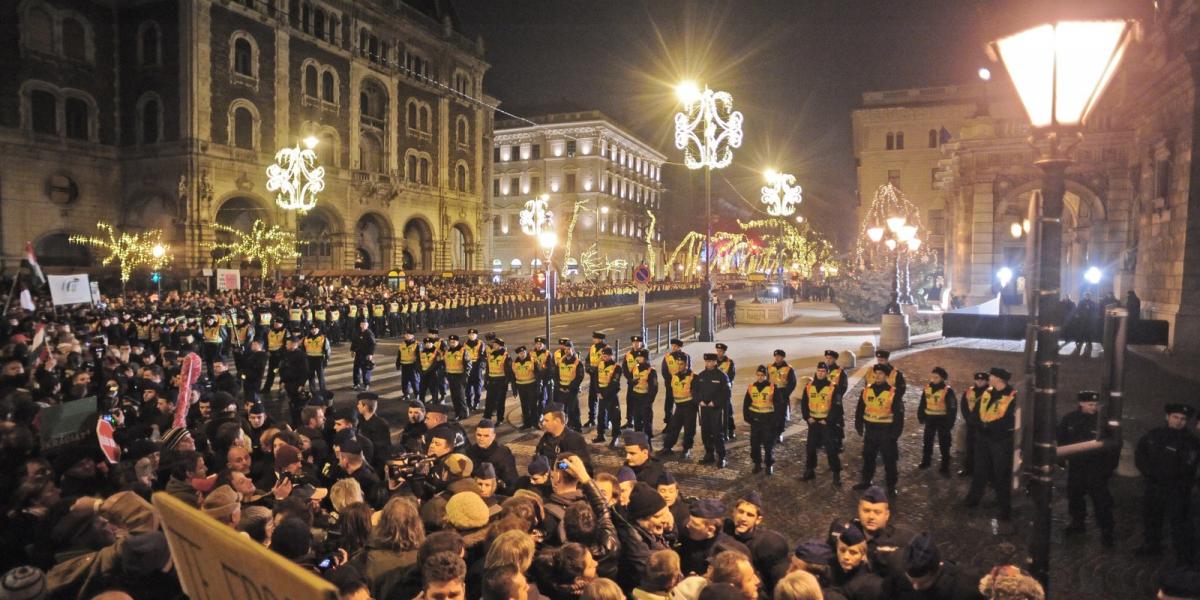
[599, 439]
[757, 468]
[721, 463]
[770, 469]
[687, 454]
[944, 469]
[862, 485]
[837, 478]
[924, 464]
[808, 475]
[708, 459]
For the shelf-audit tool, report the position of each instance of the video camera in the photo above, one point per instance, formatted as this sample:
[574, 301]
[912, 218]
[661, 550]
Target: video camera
[408, 465]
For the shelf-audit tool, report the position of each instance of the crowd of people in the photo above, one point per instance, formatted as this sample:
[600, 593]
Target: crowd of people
[432, 508]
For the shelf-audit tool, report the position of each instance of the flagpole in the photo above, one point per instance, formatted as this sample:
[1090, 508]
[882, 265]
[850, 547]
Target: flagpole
[11, 290]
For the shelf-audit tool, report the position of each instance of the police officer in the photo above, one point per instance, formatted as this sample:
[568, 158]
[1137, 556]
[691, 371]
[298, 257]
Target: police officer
[406, 363]
[497, 380]
[541, 355]
[429, 361]
[525, 373]
[475, 348]
[711, 389]
[937, 410]
[643, 389]
[896, 377]
[627, 362]
[969, 407]
[818, 406]
[725, 364]
[670, 366]
[458, 364]
[837, 376]
[293, 371]
[276, 340]
[994, 444]
[568, 372]
[879, 418]
[1088, 473]
[683, 418]
[316, 348]
[758, 409]
[783, 377]
[594, 358]
[1167, 457]
[214, 339]
[608, 385]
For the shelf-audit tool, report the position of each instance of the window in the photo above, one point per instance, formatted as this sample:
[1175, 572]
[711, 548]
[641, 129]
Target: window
[937, 222]
[536, 151]
[319, 24]
[74, 40]
[891, 141]
[151, 114]
[495, 155]
[514, 185]
[570, 182]
[1162, 173]
[411, 168]
[461, 176]
[411, 121]
[148, 44]
[310, 81]
[327, 150]
[425, 171]
[39, 30]
[243, 57]
[43, 108]
[515, 264]
[75, 113]
[495, 187]
[894, 176]
[370, 153]
[900, 140]
[570, 148]
[327, 87]
[933, 138]
[426, 119]
[243, 128]
[462, 131]
[535, 185]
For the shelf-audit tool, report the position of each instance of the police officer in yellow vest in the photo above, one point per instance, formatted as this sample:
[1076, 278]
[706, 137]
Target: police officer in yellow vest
[670, 366]
[968, 406]
[276, 340]
[406, 363]
[994, 444]
[474, 386]
[820, 404]
[568, 376]
[525, 372]
[458, 363]
[879, 418]
[497, 380]
[937, 410]
[783, 377]
[378, 317]
[608, 385]
[643, 389]
[683, 418]
[541, 355]
[594, 358]
[214, 338]
[316, 349]
[627, 361]
[727, 366]
[429, 363]
[758, 409]
[839, 379]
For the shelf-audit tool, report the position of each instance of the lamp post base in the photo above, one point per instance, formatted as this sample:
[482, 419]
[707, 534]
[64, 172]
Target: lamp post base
[894, 332]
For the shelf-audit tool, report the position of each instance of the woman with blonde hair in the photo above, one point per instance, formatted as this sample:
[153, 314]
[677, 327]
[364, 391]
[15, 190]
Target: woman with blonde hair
[344, 493]
[391, 552]
[513, 548]
[798, 585]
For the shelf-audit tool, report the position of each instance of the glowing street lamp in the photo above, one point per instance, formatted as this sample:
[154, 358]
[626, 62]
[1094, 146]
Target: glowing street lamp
[296, 177]
[1093, 275]
[781, 194]
[537, 221]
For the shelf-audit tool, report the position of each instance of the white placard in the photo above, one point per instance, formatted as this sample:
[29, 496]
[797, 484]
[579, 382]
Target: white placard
[229, 279]
[70, 289]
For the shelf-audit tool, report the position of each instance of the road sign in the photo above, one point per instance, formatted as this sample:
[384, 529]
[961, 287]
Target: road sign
[104, 435]
[214, 561]
[641, 274]
[756, 277]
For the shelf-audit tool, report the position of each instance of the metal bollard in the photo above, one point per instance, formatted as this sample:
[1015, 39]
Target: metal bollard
[658, 338]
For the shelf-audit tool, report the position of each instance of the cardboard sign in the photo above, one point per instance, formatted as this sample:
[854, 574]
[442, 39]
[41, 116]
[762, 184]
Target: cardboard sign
[64, 423]
[214, 562]
[70, 289]
[229, 279]
[104, 435]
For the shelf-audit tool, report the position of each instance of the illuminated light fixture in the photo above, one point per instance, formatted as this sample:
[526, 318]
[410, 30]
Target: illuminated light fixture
[536, 215]
[1025, 225]
[1016, 230]
[707, 129]
[985, 73]
[875, 233]
[799, 218]
[781, 194]
[554, 186]
[890, 243]
[587, 185]
[1093, 275]
[296, 178]
[895, 222]
[1061, 69]
[158, 251]
[1004, 276]
[914, 244]
[129, 250]
[906, 233]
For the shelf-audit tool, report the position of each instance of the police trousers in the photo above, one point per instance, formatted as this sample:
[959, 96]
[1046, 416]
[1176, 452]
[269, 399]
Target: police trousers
[938, 426]
[993, 465]
[879, 440]
[641, 412]
[762, 438]
[712, 429]
[455, 382]
[823, 436]
[610, 410]
[1086, 479]
[497, 392]
[682, 420]
[1170, 502]
[531, 403]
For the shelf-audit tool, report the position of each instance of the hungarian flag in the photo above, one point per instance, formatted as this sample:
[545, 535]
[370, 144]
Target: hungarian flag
[38, 278]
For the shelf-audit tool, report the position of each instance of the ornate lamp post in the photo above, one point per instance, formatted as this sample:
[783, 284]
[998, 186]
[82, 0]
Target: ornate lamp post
[538, 221]
[1059, 70]
[707, 129]
[296, 178]
[782, 196]
[894, 221]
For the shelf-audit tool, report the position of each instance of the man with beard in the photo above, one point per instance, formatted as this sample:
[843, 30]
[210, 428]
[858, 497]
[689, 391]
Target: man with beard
[486, 450]
[769, 549]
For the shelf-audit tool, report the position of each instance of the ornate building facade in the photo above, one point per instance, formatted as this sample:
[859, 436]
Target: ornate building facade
[597, 175]
[1132, 207]
[165, 114]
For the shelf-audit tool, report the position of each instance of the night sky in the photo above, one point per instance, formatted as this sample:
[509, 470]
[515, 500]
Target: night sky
[795, 69]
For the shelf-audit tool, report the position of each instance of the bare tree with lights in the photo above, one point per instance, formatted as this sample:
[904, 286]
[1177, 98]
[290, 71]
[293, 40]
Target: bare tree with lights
[270, 246]
[129, 250]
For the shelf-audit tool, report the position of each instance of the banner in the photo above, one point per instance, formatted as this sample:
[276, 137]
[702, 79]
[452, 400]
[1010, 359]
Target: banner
[70, 289]
[229, 279]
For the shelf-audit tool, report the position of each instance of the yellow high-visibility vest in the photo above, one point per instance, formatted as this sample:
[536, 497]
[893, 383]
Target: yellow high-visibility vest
[672, 365]
[878, 407]
[456, 361]
[566, 373]
[475, 351]
[630, 361]
[725, 365]
[408, 353]
[594, 357]
[393, 307]
[972, 398]
[495, 364]
[377, 310]
[264, 318]
[314, 346]
[212, 334]
[541, 356]
[275, 339]
[525, 371]
[294, 314]
[427, 359]
[819, 401]
[993, 408]
[641, 380]
[778, 374]
[605, 373]
[319, 314]
[681, 388]
[762, 400]
[935, 402]
[352, 310]
[835, 376]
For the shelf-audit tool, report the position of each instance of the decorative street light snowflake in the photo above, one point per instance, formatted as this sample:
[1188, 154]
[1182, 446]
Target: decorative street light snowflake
[781, 194]
[296, 177]
[707, 129]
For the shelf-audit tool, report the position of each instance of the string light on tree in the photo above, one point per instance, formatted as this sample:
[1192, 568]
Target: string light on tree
[296, 178]
[269, 246]
[129, 250]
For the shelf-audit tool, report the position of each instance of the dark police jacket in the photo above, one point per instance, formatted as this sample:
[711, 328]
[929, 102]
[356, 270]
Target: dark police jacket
[569, 441]
[1168, 457]
[711, 388]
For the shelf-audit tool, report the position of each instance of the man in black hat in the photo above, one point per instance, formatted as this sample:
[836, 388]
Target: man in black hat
[406, 363]
[769, 549]
[683, 418]
[607, 379]
[523, 371]
[879, 418]
[252, 369]
[712, 391]
[541, 355]
[558, 438]
[758, 409]
[643, 389]
[568, 376]
[783, 377]
[820, 405]
[498, 371]
[594, 358]
[487, 450]
[726, 366]
[926, 576]
[896, 376]
[1088, 473]
[641, 533]
[293, 371]
[374, 427]
[1167, 456]
[474, 384]
[214, 340]
[994, 445]
[937, 410]
[670, 366]
[702, 537]
[969, 407]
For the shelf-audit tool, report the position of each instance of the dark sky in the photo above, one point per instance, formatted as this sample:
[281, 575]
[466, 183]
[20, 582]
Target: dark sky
[796, 68]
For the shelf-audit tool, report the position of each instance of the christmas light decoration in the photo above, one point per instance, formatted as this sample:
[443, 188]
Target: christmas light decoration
[781, 194]
[129, 250]
[594, 267]
[707, 129]
[580, 205]
[650, 241]
[890, 212]
[270, 246]
[536, 215]
[296, 177]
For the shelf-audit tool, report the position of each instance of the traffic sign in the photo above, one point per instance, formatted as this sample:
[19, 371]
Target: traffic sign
[641, 274]
[104, 435]
[756, 277]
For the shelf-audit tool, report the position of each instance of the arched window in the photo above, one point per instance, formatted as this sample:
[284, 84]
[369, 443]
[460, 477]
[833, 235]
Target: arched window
[310, 81]
[462, 131]
[515, 264]
[319, 24]
[148, 44]
[151, 118]
[426, 119]
[891, 141]
[425, 171]
[370, 153]
[328, 88]
[38, 30]
[74, 39]
[243, 57]
[411, 119]
[43, 112]
[243, 128]
[327, 149]
[900, 140]
[460, 174]
[933, 138]
[411, 168]
[77, 119]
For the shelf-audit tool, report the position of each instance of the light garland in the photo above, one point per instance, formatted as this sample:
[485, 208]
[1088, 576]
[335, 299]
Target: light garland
[781, 194]
[296, 178]
[536, 216]
[270, 246]
[128, 250]
[580, 204]
[708, 129]
[650, 242]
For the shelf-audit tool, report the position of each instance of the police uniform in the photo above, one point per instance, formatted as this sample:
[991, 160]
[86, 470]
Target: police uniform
[819, 404]
[594, 358]
[542, 356]
[879, 418]
[937, 410]
[406, 363]
[837, 376]
[316, 348]
[683, 418]
[214, 339]
[758, 409]
[669, 367]
[525, 373]
[568, 372]
[1167, 459]
[994, 445]
[783, 377]
[474, 383]
[627, 362]
[457, 363]
[727, 366]
[969, 407]
[608, 387]
[429, 361]
[1088, 473]
[643, 389]
[293, 371]
[497, 381]
[276, 339]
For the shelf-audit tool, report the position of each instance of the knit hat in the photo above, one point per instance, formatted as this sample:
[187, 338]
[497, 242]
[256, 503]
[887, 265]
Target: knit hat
[644, 501]
[221, 502]
[172, 437]
[626, 474]
[141, 448]
[23, 583]
[443, 432]
[144, 554]
[540, 465]
[286, 455]
[921, 556]
[466, 510]
[707, 508]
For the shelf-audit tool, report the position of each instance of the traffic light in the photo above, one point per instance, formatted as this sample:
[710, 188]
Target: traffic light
[155, 277]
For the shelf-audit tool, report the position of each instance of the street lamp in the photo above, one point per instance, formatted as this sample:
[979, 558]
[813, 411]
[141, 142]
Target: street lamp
[296, 177]
[893, 220]
[537, 221]
[707, 129]
[1059, 70]
[782, 196]
[1093, 275]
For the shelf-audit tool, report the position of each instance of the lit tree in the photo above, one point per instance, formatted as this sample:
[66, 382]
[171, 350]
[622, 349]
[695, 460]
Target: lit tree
[650, 258]
[270, 246]
[129, 250]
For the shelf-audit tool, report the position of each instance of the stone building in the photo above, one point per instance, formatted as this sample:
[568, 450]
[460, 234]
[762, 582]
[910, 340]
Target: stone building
[1131, 194]
[592, 169]
[165, 114]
